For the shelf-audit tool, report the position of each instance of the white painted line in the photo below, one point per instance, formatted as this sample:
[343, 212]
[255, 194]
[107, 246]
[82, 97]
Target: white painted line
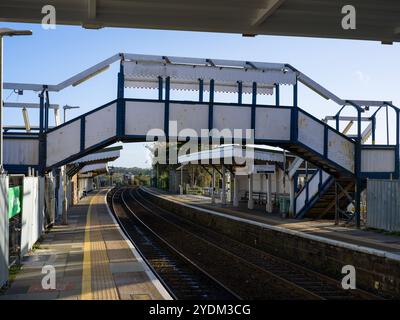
[341, 244]
[164, 293]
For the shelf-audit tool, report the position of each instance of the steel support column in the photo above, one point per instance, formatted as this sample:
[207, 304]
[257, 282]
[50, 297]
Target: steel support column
[121, 103]
[269, 193]
[213, 186]
[295, 94]
[358, 172]
[292, 199]
[250, 202]
[166, 116]
[253, 106]
[181, 185]
[46, 111]
[201, 90]
[277, 94]
[223, 191]
[1, 105]
[240, 92]
[236, 191]
[42, 135]
[160, 88]
[231, 186]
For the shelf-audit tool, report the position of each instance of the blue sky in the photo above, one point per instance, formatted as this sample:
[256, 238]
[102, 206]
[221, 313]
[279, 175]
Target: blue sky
[350, 69]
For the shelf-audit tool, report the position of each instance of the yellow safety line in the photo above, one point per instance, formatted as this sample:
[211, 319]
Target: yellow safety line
[87, 268]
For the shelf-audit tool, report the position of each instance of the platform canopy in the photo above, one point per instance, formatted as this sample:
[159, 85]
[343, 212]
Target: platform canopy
[94, 163]
[101, 156]
[235, 154]
[144, 71]
[95, 168]
[376, 20]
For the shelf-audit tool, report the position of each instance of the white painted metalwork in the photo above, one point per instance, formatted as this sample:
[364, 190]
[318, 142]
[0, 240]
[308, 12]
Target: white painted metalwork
[273, 123]
[76, 79]
[32, 217]
[100, 125]
[232, 117]
[311, 133]
[294, 166]
[21, 151]
[378, 160]
[383, 204]
[27, 105]
[313, 189]
[143, 71]
[95, 167]
[102, 156]
[63, 142]
[142, 117]
[370, 103]
[232, 151]
[341, 150]
[319, 89]
[193, 116]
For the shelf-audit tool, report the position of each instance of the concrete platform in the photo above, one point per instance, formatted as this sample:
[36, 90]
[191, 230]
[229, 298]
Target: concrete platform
[92, 258]
[321, 228]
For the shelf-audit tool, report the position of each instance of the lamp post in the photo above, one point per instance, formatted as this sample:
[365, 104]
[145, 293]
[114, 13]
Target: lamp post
[4, 32]
[67, 107]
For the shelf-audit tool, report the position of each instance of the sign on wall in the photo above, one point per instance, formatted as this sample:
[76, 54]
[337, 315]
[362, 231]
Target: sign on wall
[14, 201]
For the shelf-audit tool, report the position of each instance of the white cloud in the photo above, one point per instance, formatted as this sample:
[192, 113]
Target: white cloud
[362, 77]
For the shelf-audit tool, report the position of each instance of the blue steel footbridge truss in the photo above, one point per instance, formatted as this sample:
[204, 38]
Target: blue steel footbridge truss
[133, 119]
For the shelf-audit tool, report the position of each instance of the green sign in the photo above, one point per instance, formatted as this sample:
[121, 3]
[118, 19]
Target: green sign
[14, 201]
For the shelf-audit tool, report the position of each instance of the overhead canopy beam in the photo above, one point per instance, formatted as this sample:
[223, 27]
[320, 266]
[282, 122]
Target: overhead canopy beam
[370, 103]
[74, 80]
[265, 13]
[376, 20]
[27, 105]
[347, 118]
[19, 127]
[91, 22]
[92, 9]
[284, 73]
[366, 133]
[311, 84]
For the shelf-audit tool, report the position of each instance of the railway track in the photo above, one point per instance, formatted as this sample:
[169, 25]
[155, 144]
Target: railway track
[249, 272]
[180, 276]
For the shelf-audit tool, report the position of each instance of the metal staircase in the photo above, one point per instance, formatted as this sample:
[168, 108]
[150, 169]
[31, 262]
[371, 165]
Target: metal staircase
[324, 197]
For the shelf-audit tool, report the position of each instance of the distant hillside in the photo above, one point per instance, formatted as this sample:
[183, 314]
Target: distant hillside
[134, 170]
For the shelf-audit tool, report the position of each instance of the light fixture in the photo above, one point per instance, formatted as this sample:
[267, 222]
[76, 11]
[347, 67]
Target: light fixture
[11, 32]
[77, 83]
[26, 119]
[5, 32]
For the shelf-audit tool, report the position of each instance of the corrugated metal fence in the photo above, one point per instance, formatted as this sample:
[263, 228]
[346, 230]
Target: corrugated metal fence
[383, 204]
[32, 214]
[3, 230]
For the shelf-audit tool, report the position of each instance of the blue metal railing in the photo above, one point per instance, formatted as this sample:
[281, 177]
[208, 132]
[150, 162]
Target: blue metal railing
[311, 192]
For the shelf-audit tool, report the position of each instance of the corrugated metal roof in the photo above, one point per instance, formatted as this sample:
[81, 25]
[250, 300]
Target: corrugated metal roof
[143, 71]
[237, 153]
[104, 155]
[96, 167]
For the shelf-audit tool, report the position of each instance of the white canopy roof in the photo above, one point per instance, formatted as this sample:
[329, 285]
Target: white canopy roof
[102, 156]
[236, 152]
[143, 71]
[96, 167]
